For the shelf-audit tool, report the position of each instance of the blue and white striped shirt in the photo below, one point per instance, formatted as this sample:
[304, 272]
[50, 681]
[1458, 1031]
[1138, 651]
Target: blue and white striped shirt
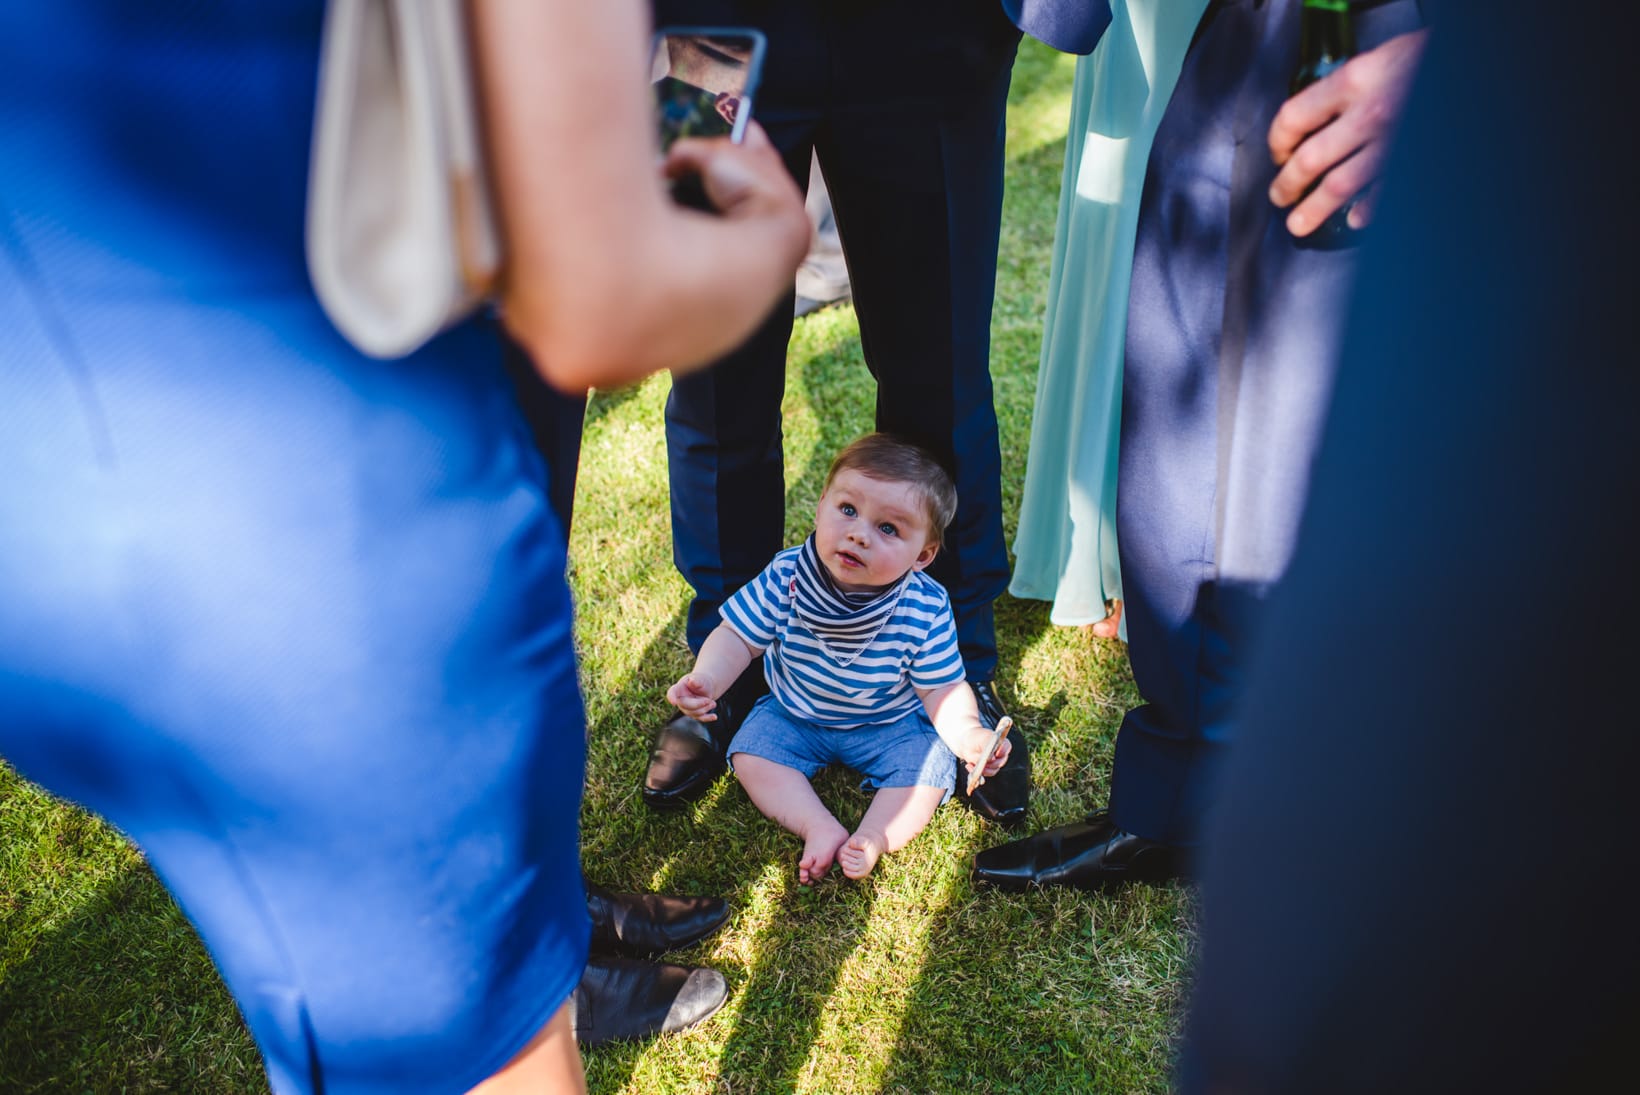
[843, 664]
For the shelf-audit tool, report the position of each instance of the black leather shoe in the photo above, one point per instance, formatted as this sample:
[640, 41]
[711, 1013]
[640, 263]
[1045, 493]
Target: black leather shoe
[1092, 855]
[685, 762]
[642, 925]
[622, 998]
[689, 755]
[1002, 798]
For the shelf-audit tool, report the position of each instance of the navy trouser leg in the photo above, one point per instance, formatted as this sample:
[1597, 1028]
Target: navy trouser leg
[919, 209]
[724, 460]
[905, 109]
[1233, 333]
[1168, 459]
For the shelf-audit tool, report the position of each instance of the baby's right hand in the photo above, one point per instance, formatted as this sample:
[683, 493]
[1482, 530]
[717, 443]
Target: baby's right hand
[693, 696]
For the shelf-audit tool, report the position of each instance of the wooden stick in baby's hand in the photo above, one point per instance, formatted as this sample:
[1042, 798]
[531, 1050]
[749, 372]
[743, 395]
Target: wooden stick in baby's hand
[976, 775]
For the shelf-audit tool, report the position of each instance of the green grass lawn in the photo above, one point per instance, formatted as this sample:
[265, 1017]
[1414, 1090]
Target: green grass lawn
[908, 982]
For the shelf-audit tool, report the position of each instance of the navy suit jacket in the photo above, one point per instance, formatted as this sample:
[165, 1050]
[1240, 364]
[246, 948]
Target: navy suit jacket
[1073, 26]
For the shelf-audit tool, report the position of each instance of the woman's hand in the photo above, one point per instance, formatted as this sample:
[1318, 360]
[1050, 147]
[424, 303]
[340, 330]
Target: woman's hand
[606, 279]
[742, 180]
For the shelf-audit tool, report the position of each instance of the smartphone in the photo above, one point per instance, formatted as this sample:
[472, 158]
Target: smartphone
[703, 80]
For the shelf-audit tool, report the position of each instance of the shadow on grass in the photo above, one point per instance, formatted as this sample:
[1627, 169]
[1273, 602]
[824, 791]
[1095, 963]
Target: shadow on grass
[605, 401]
[123, 996]
[811, 933]
[1047, 991]
[1082, 995]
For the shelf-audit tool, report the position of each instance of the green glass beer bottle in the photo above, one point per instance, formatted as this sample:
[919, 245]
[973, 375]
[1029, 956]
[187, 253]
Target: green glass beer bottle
[1326, 39]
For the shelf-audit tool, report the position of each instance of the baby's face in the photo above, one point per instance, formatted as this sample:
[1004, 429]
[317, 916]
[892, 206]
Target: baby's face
[869, 532]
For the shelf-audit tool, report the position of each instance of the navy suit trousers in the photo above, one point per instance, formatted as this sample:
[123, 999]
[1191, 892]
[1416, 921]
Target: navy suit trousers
[905, 113]
[1233, 331]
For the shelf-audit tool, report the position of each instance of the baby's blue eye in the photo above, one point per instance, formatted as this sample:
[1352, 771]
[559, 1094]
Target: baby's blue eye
[887, 529]
[848, 510]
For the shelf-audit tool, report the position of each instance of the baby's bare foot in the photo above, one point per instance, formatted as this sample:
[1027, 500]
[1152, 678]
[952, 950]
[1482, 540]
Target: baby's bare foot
[819, 850]
[861, 852]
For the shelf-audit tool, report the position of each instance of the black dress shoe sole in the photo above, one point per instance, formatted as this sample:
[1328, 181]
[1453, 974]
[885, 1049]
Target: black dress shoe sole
[1005, 884]
[1103, 883]
[1108, 882]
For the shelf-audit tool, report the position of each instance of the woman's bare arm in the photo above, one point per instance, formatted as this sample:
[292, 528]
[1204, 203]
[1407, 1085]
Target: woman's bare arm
[606, 279]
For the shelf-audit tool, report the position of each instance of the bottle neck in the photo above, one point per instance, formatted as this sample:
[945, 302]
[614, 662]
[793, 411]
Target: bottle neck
[1325, 34]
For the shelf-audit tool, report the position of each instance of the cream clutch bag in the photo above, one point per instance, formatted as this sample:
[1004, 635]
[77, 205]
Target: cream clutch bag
[402, 239]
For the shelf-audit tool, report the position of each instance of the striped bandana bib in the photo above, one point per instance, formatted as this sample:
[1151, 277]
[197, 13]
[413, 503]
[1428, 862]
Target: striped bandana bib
[843, 622]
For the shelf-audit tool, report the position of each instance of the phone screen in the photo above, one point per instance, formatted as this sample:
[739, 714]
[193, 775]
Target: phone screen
[703, 79]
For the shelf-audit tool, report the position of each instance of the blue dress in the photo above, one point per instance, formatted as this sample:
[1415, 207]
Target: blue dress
[293, 619]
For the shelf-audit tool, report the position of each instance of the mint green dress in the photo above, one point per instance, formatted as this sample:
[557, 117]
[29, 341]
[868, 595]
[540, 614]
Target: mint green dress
[1066, 546]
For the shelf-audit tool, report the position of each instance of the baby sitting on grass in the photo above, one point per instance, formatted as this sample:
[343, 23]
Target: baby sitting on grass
[860, 652]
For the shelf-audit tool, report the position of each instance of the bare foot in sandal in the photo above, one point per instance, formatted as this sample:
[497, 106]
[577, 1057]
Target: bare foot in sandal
[1109, 626]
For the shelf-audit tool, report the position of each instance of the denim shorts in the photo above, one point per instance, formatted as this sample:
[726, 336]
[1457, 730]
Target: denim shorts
[903, 753]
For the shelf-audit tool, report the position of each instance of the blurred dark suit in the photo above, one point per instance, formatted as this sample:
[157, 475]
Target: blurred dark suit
[1418, 876]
